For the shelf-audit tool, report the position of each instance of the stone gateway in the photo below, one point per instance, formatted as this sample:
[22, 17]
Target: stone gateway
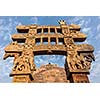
[33, 40]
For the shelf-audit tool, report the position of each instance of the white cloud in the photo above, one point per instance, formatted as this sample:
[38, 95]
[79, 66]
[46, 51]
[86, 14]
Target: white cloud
[98, 17]
[86, 30]
[76, 18]
[34, 19]
[1, 21]
[7, 28]
[97, 36]
[98, 28]
[81, 23]
[95, 68]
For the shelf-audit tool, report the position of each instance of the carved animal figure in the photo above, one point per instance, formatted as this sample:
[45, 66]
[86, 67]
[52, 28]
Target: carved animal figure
[75, 61]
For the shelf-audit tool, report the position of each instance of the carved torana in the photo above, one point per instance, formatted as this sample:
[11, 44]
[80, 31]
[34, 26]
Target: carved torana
[33, 40]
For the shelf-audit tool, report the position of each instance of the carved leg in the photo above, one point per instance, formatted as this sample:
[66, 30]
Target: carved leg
[14, 67]
[33, 68]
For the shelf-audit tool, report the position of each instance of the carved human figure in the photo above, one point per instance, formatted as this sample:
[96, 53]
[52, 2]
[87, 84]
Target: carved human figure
[29, 54]
[17, 61]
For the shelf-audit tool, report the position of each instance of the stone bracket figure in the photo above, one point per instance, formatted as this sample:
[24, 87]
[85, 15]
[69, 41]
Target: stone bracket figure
[88, 58]
[77, 61]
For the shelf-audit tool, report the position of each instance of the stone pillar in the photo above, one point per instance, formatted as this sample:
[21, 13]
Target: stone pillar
[49, 30]
[48, 40]
[77, 72]
[24, 66]
[42, 31]
[41, 40]
[22, 78]
[57, 42]
[79, 78]
[56, 30]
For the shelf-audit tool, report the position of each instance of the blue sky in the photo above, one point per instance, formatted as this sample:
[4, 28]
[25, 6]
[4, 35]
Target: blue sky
[90, 25]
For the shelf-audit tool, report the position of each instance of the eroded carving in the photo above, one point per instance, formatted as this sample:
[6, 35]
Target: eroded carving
[25, 62]
[75, 61]
[79, 61]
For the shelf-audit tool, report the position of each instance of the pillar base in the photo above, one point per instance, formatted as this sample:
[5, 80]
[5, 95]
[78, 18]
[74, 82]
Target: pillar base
[78, 76]
[22, 78]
